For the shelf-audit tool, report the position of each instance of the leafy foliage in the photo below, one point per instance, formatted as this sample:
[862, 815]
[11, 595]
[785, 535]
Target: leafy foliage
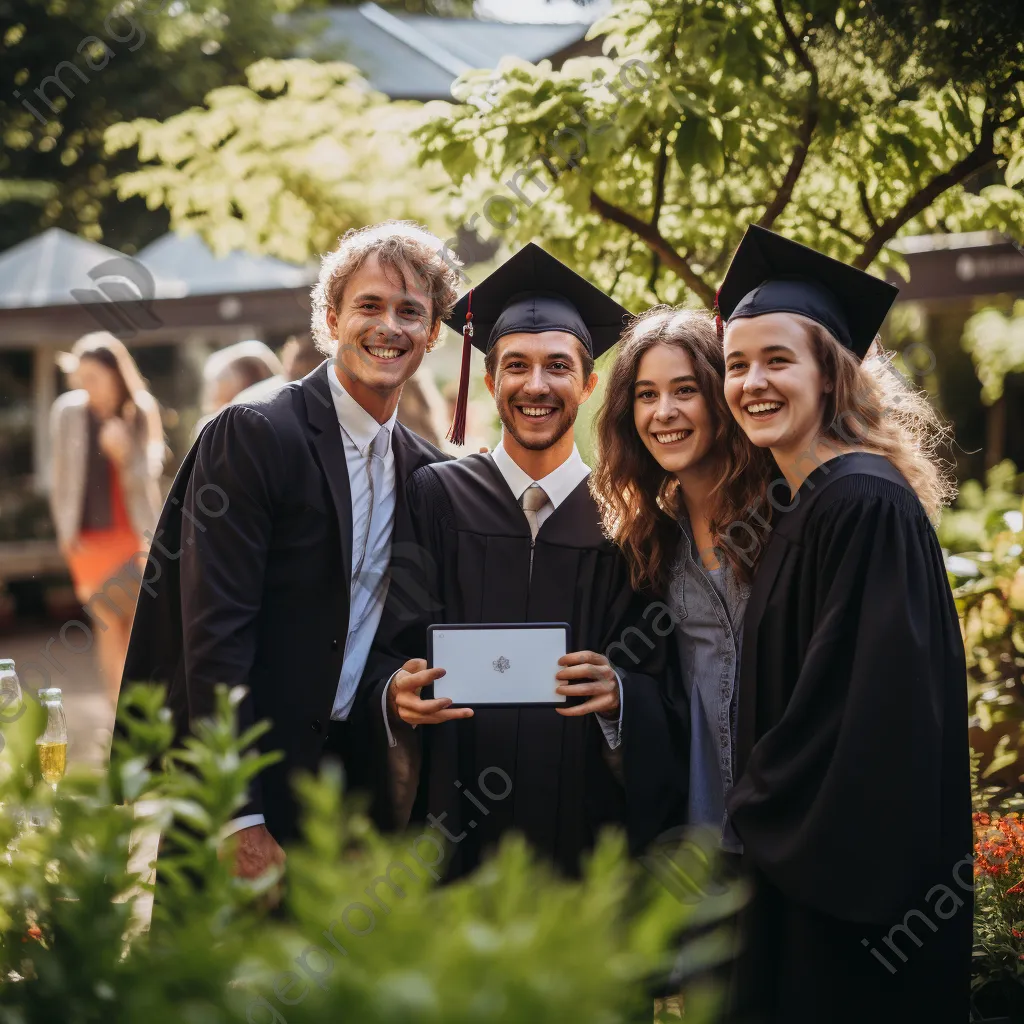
[285, 164]
[980, 512]
[991, 607]
[770, 111]
[996, 345]
[112, 62]
[366, 935]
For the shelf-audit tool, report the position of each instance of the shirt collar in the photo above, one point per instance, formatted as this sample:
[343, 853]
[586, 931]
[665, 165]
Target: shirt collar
[557, 485]
[357, 423]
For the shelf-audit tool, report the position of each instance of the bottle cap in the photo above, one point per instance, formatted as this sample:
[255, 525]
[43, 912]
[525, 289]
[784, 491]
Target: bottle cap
[50, 693]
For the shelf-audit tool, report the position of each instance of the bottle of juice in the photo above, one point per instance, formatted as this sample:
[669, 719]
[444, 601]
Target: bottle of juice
[10, 692]
[53, 744]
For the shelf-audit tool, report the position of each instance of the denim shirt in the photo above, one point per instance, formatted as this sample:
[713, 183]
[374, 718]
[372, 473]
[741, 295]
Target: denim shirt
[708, 607]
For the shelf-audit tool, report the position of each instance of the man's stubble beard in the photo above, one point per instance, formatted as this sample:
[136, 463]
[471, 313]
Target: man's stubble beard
[507, 417]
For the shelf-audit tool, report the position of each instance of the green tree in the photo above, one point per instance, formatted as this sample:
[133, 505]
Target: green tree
[72, 68]
[813, 117]
[285, 164]
[996, 345]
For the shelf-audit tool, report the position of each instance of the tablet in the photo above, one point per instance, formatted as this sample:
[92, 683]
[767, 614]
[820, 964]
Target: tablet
[498, 664]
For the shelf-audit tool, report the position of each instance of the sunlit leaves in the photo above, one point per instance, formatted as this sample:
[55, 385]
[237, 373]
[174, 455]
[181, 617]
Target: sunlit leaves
[727, 97]
[289, 163]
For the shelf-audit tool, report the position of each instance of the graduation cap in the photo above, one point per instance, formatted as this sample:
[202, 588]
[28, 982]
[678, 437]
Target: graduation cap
[772, 274]
[530, 293]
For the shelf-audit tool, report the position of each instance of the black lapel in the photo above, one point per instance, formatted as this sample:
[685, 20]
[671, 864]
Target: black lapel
[406, 463]
[323, 418]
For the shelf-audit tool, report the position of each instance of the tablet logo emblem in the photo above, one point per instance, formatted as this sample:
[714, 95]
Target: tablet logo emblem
[502, 664]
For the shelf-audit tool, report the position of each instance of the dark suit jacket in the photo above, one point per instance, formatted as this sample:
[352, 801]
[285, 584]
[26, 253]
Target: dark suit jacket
[249, 577]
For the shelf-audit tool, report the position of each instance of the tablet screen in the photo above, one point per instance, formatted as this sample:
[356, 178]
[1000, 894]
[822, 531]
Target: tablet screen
[505, 665]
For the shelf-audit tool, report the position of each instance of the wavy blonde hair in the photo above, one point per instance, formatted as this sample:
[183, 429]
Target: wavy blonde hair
[872, 406]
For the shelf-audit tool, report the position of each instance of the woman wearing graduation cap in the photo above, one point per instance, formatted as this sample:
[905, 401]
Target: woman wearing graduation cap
[674, 472]
[852, 799]
[514, 536]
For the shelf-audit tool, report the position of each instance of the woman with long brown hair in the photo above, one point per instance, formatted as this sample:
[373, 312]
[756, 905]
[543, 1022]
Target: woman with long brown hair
[852, 798]
[108, 452]
[674, 472]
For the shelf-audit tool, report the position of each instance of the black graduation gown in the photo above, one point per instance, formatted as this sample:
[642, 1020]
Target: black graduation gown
[473, 565]
[853, 791]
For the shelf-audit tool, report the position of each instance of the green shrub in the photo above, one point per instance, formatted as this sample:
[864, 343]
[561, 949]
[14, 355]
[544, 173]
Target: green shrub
[978, 515]
[365, 935]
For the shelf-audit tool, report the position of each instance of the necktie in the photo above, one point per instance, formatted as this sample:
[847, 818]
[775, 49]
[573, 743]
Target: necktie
[532, 501]
[375, 468]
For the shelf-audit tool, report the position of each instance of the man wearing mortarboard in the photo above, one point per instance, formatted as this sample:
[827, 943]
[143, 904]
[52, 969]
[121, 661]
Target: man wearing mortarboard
[514, 536]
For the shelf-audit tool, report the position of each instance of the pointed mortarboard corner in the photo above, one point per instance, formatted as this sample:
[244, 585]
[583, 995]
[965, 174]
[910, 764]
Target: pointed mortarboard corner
[772, 274]
[530, 293]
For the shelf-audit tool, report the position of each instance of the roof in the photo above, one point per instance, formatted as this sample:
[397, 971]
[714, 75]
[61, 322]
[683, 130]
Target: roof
[188, 260]
[57, 268]
[953, 240]
[418, 57]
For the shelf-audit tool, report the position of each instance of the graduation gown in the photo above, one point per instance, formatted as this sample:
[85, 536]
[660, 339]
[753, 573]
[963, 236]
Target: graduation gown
[472, 564]
[853, 793]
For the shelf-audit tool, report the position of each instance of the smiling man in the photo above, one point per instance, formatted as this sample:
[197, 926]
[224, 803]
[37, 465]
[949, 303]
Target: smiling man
[272, 551]
[514, 536]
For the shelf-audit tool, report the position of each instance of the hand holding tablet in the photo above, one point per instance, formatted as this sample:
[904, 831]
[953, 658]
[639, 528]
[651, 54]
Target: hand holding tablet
[502, 665]
[498, 665]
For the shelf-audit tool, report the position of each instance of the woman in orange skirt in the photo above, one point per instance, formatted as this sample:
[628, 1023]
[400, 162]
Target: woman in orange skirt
[108, 452]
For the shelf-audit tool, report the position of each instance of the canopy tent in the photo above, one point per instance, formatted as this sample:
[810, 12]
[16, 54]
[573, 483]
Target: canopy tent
[187, 259]
[57, 268]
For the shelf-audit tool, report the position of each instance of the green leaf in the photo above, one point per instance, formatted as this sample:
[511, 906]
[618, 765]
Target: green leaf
[1015, 169]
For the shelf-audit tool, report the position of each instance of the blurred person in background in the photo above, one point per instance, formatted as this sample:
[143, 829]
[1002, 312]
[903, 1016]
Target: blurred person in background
[108, 452]
[240, 372]
[300, 356]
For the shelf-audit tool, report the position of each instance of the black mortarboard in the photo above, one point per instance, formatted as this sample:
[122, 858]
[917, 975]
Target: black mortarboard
[772, 274]
[530, 293]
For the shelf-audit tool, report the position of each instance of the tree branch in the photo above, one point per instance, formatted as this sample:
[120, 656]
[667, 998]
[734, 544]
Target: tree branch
[835, 222]
[805, 133]
[654, 241]
[865, 204]
[980, 157]
[661, 168]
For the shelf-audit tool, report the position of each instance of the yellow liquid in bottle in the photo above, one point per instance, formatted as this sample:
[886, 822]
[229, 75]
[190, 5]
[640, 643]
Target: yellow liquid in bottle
[53, 759]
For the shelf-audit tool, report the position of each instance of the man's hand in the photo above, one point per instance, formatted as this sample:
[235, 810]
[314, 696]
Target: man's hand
[255, 851]
[587, 674]
[404, 700]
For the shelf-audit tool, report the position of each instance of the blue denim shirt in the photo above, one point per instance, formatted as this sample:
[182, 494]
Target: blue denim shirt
[708, 606]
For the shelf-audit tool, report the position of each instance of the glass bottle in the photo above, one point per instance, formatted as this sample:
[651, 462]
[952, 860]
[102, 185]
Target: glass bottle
[10, 692]
[53, 744]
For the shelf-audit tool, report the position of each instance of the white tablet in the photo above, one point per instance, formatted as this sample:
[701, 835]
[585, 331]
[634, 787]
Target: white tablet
[498, 664]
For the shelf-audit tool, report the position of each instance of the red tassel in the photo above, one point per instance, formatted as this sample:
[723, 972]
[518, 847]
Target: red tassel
[719, 326]
[457, 434]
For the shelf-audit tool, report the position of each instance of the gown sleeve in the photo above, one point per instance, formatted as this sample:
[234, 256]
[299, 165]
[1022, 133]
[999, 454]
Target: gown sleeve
[654, 747]
[841, 802]
[223, 561]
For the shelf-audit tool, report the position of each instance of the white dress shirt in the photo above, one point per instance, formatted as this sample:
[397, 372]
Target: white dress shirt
[557, 485]
[372, 525]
